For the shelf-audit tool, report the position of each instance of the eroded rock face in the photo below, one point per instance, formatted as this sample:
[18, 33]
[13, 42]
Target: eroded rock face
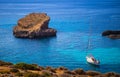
[34, 25]
[112, 34]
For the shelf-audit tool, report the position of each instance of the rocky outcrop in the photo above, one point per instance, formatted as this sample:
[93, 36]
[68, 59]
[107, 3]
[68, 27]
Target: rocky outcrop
[92, 73]
[34, 70]
[112, 34]
[34, 25]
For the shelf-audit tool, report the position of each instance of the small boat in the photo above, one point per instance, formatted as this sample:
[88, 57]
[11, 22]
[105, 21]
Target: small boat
[90, 59]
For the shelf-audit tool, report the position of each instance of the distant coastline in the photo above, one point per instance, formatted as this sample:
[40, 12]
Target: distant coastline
[33, 70]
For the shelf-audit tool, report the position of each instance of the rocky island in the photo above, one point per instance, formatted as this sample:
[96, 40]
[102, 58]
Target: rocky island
[111, 34]
[34, 25]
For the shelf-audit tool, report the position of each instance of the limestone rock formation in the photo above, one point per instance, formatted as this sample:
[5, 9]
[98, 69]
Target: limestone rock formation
[112, 34]
[34, 70]
[34, 25]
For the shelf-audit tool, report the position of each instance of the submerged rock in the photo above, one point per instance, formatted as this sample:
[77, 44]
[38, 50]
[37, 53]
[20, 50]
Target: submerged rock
[34, 25]
[112, 34]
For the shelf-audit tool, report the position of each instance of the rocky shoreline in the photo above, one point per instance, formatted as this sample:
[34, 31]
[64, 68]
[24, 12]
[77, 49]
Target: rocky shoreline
[112, 34]
[33, 70]
[34, 25]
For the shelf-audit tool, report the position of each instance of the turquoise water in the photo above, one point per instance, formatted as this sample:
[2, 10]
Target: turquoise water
[72, 20]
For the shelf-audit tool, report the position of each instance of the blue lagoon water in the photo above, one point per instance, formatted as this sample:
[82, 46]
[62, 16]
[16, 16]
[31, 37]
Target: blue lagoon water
[72, 20]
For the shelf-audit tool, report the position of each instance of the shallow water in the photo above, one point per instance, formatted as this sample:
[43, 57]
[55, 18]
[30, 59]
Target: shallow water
[68, 48]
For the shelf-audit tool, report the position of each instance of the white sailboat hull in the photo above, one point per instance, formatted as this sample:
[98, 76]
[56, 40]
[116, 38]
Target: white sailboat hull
[91, 61]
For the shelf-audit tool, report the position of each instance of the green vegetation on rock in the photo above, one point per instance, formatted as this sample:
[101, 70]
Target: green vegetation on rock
[2, 63]
[25, 66]
[14, 70]
[29, 74]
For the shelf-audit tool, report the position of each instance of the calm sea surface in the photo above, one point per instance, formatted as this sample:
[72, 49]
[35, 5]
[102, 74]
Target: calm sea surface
[72, 21]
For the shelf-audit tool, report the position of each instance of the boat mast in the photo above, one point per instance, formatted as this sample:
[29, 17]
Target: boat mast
[89, 37]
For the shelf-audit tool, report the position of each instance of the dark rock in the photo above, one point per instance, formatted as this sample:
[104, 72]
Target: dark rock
[70, 72]
[83, 76]
[2, 63]
[34, 25]
[51, 69]
[79, 71]
[109, 74]
[62, 68]
[92, 73]
[41, 68]
[112, 34]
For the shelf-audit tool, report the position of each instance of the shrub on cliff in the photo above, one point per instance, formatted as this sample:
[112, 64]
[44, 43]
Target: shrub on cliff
[30, 74]
[46, 74]
[14, 70]
[19, 74]
[25, 66]
[5, 72]
[65, 75]
[2, 63]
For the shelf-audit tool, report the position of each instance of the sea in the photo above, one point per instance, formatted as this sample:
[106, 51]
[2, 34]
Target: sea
[76, 21]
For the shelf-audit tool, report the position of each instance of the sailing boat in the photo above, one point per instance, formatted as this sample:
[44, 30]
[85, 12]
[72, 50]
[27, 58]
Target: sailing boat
[90, 58]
